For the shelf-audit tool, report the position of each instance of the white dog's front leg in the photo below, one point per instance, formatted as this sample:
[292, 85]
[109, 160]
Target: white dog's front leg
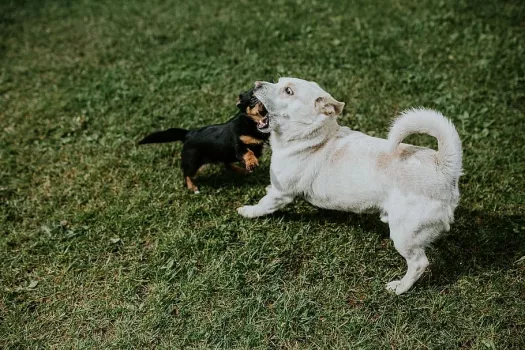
[273, 201]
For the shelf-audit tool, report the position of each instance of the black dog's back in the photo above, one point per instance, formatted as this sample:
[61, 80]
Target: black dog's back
[216, 143]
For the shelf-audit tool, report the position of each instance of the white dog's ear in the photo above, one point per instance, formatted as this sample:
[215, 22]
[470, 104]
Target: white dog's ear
[329, 106]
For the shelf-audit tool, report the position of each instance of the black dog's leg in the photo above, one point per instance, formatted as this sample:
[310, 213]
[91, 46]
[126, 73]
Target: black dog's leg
[191, 162]
[236, 169]
[246, 155]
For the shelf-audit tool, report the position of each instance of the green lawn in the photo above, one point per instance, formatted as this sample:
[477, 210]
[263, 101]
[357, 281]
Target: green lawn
[102, 247]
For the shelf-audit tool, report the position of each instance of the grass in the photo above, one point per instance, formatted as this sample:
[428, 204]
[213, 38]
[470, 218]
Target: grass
[102, 247]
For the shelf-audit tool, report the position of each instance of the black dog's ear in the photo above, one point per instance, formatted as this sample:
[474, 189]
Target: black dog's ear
[239, 99]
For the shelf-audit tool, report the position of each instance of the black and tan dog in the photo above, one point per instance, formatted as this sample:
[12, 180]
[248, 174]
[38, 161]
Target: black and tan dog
[236, 140]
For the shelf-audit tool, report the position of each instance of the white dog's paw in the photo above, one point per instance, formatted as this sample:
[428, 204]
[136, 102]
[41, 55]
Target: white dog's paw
[397, 287]
[248, 211]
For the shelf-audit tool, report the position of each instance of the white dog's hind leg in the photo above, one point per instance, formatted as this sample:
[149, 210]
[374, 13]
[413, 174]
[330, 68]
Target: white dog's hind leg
[415, 256]
[273, 201]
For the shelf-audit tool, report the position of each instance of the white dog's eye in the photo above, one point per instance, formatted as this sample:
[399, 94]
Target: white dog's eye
[288, 91]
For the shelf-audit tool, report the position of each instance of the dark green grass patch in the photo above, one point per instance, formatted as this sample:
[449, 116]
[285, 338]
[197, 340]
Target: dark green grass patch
[101, 246]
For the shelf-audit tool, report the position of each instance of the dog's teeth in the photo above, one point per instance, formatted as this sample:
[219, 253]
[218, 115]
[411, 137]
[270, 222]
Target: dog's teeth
[263, 123]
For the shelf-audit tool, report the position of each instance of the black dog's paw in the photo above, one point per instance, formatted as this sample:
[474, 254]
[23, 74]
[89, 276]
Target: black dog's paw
[250, 161]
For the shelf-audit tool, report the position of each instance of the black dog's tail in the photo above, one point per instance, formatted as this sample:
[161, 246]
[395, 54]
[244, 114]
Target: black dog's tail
[170, 135]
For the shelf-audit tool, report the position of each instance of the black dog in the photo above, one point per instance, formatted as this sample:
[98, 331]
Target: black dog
[236, 140]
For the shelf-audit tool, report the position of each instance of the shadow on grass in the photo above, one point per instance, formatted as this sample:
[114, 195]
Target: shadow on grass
[478, 242]
[224, 178]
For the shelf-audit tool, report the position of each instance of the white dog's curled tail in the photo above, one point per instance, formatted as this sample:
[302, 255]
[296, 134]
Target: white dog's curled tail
[433, 123]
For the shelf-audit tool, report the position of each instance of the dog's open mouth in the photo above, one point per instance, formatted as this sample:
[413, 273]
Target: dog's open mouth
[259, 114]
[263, 124]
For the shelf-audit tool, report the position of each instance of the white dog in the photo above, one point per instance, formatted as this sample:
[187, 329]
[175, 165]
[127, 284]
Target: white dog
[415, 189]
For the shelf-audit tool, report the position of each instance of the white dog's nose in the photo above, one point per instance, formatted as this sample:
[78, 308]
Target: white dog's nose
[258, 84]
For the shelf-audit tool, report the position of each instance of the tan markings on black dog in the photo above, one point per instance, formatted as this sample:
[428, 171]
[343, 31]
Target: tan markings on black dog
[201, 169]
[255, 112]
[237, 169]
[250, 160]
[250, 140]
[191, 186]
